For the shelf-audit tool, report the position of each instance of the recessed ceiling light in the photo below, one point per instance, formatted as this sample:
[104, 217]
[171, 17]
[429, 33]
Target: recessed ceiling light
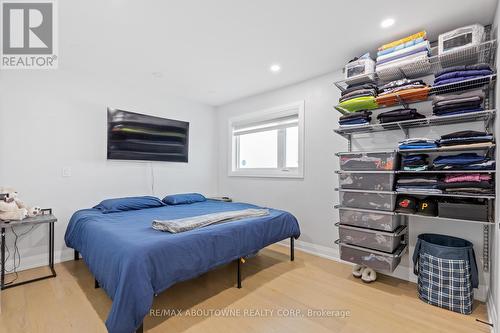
[157, 75]
[387, 23]
[275, 68]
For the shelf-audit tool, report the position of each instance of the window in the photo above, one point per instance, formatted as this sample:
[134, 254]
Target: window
[268, 143]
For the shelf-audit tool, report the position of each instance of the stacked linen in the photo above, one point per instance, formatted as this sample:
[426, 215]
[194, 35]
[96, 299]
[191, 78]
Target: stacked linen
[355, 118]
[466, 139]
[463, 161]
[467, 183]
[445, 105]
[403, 51]
[405, 90]
[399, 115]
[417, 143]
[359, 97]
[415, 162]
[420, 184]
[462, 73]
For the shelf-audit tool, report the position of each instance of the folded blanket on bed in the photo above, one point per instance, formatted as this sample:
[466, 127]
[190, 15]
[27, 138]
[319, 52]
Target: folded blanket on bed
[195, 222]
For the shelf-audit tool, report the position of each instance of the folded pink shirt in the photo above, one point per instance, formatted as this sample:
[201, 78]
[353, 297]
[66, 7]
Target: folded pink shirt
[470, 177]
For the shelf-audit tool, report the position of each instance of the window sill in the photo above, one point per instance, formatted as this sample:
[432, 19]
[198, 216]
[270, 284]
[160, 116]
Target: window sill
[266, 174]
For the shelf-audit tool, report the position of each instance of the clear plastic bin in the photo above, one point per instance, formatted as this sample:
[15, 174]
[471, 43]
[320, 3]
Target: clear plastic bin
[368, 219]
[359, 67]
[367, 181]
[373, 239]
[460, 38]
[375, 161]
[368, 200]
[377, 260]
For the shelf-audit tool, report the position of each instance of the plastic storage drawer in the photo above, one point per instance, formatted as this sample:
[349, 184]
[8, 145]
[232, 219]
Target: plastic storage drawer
[375, 161]
[373, 239]
[368, 219]
[367, 181]
[377, 260]
[368, 200]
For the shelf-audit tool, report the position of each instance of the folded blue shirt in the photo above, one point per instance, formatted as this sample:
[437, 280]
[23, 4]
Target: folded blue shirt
[417, 146]
[446, 76]
[464, 158]
[458, 79]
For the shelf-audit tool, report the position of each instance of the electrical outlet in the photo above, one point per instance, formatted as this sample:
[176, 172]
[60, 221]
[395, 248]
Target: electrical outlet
[66, 172]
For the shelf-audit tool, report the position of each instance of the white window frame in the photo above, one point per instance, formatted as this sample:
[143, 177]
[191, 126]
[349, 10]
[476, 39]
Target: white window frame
[296, 108]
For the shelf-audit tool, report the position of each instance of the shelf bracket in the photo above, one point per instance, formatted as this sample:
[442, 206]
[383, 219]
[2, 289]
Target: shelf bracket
[402, 102]
[405, 130]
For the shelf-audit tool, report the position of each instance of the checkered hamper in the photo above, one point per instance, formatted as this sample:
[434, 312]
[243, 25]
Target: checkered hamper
[447, 271]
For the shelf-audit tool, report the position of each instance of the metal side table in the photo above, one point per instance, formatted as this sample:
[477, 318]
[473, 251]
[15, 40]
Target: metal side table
[45, 217]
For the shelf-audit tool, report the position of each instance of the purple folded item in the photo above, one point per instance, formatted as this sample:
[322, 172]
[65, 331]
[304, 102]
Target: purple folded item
[419, 50]
[483, 72]
[458, 79]
[455, 112]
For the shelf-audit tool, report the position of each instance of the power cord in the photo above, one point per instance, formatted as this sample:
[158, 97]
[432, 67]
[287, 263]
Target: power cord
[152, 179]
[17, 254]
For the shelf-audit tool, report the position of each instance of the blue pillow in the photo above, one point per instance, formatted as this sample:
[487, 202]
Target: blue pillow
[186, 198]
[130, 203]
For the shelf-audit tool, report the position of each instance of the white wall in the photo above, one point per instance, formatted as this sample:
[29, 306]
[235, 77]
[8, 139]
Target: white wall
[55, 119]
[312, 199]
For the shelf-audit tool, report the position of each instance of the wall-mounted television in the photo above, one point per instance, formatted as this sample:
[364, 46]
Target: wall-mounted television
[134, 136]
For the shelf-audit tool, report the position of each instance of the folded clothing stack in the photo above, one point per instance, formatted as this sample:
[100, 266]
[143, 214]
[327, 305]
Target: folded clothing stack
[359, 97]
[421, 184]
[466, 139]
[356, 118]
[417, 143]
[415, 162]
[399, 115]
[467, 183]
[462, 73]
[445, 105]
[402, 90]
[403, 51]
[463, 161]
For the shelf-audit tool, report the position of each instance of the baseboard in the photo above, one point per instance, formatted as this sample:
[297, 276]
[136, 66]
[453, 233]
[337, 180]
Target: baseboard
[402, 272]
[40, 260]
[492, 313]
[317, 250]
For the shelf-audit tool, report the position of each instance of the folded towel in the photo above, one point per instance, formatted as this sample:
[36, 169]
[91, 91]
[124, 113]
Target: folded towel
[195, 222]
[420, 34]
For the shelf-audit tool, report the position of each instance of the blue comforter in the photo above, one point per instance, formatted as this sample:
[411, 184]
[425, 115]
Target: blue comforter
[132, 261]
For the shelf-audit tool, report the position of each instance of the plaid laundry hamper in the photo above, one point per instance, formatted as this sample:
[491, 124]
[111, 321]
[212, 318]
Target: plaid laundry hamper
[447, 271]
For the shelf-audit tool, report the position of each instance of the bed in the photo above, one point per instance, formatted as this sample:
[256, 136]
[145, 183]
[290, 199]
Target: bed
[133, 262]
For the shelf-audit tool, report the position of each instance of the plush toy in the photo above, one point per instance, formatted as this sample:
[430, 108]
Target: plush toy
[12, 208]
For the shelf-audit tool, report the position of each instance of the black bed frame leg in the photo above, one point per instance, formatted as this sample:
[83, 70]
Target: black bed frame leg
[140, 329]
[292, 249]
[239, 272]
[96, 284]
[77, 255]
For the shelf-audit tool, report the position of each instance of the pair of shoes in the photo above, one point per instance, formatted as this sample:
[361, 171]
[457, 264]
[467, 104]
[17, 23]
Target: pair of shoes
[366, 274]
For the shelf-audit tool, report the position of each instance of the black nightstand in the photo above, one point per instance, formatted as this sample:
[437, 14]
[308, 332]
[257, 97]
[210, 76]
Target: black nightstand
[46, 217]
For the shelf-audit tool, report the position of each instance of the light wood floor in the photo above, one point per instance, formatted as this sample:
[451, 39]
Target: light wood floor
[69, 303]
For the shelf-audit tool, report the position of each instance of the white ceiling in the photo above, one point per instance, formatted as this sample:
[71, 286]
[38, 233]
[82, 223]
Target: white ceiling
[220, 50]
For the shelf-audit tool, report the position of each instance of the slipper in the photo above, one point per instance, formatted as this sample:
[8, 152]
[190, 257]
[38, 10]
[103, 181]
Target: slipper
[368, 275]
[357, 270]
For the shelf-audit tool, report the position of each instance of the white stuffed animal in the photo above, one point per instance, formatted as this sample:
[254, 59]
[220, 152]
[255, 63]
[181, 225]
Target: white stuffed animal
[12, 208]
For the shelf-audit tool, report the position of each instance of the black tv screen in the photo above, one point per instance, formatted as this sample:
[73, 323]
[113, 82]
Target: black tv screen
[134, 136]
